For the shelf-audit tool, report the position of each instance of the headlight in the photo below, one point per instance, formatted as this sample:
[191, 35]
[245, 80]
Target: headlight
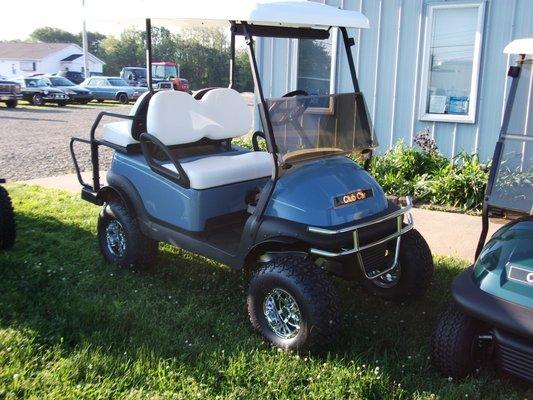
[17, 88]
[45, 92]
[68, 91]
[136, 92]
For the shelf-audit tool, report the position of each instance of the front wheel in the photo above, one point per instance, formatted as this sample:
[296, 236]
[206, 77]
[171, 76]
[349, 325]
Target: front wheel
[457, 345]
[413, 273]
[61, 103]
[293, 305]
[121, 240]
[7, 221]
[123, 98]
[37, 99]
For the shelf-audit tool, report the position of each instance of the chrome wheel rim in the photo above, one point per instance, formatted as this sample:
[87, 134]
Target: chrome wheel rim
[390, 279]
[282, 314]
[115, 238]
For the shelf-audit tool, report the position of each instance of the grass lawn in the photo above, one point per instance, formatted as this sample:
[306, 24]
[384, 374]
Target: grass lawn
[73, 327]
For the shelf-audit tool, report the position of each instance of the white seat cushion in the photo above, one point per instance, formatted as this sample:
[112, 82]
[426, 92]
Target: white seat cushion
[219, 170]
[177, 118]
[119, 133]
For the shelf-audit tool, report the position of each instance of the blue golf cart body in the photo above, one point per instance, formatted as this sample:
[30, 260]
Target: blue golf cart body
[298, 211]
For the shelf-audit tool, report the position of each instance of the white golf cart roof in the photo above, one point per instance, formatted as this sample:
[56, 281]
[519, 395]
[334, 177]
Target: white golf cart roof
[288, 13]
[520, 46]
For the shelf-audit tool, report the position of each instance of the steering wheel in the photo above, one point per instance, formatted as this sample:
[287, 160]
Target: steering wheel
[284, 112]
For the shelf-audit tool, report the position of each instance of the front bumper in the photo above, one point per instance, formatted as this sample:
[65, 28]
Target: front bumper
[52, 97]
[495, 311]
[358, 248]
[10, 96]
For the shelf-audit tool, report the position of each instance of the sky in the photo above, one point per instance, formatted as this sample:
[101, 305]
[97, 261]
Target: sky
[29, 15]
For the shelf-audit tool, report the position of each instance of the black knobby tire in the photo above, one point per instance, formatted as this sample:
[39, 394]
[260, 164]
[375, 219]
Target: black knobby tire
[452, 342]
[314, 294]
[140, 251]
[8, 229]
[37, 100]
[123, 98]
[11, 103]
[416, 270]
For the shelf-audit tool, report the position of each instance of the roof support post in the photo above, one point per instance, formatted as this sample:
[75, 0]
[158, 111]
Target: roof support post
[232, 58]
[149, 54]
[348, 43]
[263, 110]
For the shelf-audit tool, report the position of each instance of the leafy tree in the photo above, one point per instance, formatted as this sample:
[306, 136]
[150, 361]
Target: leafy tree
[243, 74]
[127, 50]
[48, 34]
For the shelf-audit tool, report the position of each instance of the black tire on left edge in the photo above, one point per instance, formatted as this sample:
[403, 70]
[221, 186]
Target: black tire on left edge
[8, 231]
[416, 270]
[452, 343]
[121, 240]
[314, 294]
[11, 103]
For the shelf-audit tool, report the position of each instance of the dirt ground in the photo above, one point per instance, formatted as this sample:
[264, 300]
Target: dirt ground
[34, 141]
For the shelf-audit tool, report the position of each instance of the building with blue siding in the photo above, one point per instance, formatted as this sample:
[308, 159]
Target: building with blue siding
[434, 65]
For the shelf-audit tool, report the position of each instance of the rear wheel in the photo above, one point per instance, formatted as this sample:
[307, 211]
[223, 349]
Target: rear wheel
[61, 103]
[11, 103]
[292, 304]
[457, 345]
[413, 273]
[7, 221]
[123, 98]
[121, 240]
[37, 99]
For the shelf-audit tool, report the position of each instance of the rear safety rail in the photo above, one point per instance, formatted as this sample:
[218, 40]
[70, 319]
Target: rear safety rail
[88, 190]
[357, 248]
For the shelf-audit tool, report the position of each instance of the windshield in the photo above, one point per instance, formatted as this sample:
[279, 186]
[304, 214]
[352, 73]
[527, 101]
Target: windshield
[164, 71]
[35, 82]
[513, 180]
[138, 72]
[308, 127]
[117, 82]
[60, 81]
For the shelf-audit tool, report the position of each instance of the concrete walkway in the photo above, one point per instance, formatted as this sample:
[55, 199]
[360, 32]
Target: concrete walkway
[449, 234]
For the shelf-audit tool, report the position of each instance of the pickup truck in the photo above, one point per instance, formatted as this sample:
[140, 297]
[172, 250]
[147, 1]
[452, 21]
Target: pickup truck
[10, 93]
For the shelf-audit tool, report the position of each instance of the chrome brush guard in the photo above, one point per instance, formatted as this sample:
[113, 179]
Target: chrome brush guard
[357, 248]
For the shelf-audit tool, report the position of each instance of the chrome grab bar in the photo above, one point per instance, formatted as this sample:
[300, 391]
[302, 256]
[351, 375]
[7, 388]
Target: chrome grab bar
[357, 248]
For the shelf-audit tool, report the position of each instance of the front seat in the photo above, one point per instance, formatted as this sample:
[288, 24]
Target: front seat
[176, 118]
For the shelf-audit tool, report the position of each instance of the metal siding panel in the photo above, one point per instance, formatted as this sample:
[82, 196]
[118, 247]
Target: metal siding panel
[407, 70]
[443, 135]
[367, 56]
[385, 71]
[493, 70]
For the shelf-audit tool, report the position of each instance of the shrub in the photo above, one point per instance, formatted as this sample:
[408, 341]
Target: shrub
[461, 184]
[399, 169]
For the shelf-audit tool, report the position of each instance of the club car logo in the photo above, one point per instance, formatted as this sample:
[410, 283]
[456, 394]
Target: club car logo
[520, 275]
[353, 197]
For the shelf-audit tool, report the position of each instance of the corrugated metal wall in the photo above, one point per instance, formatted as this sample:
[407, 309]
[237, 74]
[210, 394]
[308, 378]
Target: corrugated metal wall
[388, 57]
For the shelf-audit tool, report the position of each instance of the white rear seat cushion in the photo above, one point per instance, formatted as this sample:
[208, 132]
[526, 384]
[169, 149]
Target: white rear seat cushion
[218, 170]
[177, 118]
[120, 132]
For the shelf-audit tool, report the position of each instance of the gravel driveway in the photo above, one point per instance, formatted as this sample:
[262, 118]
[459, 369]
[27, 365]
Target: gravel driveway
[34, 141]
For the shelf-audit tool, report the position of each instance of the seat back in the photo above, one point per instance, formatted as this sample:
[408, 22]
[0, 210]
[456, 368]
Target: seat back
[177, 118]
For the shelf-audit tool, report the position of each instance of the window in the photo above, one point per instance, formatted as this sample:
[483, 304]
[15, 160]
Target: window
[452, 53]
[27, 66]
[314, 68]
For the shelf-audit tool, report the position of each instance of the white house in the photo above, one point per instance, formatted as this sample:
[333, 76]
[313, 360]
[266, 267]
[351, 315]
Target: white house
[26, 59]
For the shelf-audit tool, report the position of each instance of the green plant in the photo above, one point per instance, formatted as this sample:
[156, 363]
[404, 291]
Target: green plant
[459, 184]
[400, 168]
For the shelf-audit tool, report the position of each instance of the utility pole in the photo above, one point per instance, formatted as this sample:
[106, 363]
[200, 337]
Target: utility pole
[84, 40]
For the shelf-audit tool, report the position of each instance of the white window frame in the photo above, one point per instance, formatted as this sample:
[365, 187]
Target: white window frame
[469, 118]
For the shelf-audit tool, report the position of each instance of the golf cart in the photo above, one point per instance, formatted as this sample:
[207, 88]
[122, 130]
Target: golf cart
[491, 313]
[7, 220]
[291, 215]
